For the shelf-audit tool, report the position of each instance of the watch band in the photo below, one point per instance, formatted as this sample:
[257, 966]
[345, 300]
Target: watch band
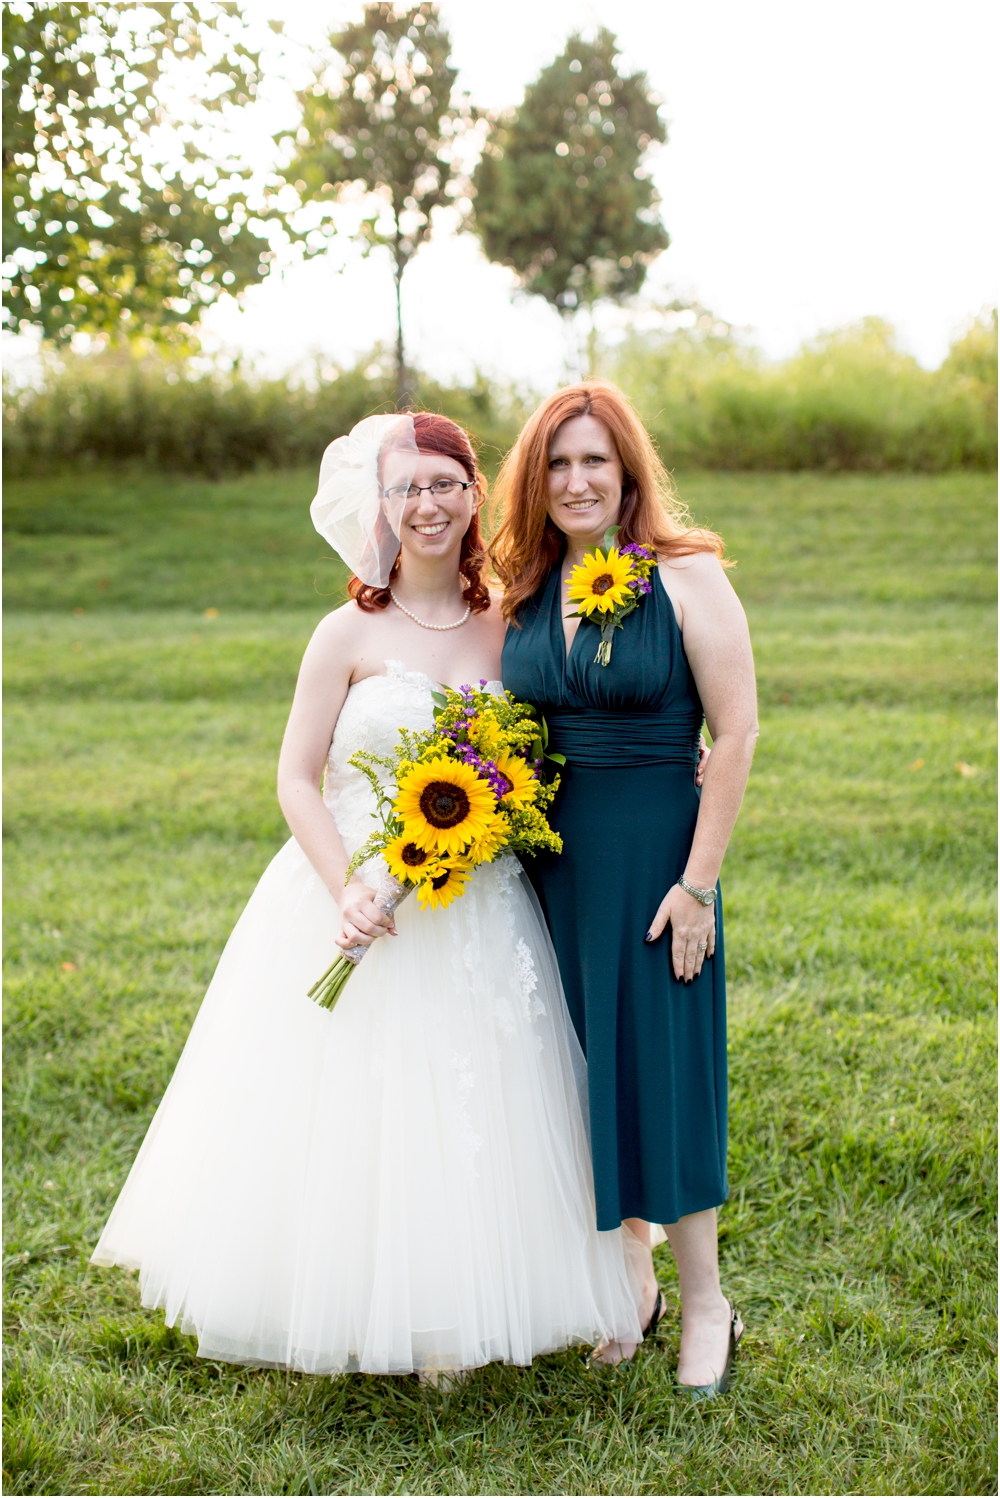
[703, 896]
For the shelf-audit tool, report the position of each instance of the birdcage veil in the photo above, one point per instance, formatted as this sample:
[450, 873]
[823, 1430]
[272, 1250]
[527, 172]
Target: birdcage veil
[351, 510]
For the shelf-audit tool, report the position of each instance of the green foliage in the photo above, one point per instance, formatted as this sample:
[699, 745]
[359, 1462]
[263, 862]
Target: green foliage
[973, 357]
[388, 127]
[849, 399]
[167, 415]
[100, 235]
[858, 1239]
[561, 193]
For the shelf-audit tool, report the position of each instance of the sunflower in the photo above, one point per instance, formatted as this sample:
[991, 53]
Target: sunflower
[600, 582]
[443, 805]
[522, 786]
[445, 881]
[406, 859]
[486, 848]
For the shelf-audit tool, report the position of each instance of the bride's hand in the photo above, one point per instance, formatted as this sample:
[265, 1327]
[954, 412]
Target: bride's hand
[361, 919]
[703, 752]
[693, 928]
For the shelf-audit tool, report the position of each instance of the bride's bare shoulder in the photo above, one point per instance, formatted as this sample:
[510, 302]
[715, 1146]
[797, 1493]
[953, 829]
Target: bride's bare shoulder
[339, 621]
[339, 635]
[492, 618]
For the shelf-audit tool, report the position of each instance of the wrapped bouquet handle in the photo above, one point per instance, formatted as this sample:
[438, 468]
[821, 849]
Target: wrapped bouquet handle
[389, 896]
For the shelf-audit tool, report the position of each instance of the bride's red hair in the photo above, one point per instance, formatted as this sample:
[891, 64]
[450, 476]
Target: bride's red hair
[527, 545]
[438, 434]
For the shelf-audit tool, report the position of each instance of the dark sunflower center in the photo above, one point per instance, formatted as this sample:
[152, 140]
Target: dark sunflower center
[444, 804]
[441, 880]
[413, 856]
[603, 583]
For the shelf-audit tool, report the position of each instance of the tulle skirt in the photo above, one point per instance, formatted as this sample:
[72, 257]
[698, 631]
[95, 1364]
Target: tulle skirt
[401, 1184]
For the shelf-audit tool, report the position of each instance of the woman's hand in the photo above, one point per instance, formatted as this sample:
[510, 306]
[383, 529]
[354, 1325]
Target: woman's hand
[693, 927]
[361, 919]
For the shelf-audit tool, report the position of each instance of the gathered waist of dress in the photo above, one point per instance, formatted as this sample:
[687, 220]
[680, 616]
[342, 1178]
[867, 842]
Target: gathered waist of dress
[596, 739]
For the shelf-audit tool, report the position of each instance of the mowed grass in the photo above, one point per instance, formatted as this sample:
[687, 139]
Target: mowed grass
[859, 1236]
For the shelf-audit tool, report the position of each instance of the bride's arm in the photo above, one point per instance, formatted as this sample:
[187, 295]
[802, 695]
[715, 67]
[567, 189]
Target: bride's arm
[717, 645]
[324, 679]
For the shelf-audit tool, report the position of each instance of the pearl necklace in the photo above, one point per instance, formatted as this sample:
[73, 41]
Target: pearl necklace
[423, 622]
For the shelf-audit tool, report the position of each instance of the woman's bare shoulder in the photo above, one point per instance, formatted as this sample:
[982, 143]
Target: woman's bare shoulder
[339, 635]
[696, 564]
[492, 618]
[339, 624]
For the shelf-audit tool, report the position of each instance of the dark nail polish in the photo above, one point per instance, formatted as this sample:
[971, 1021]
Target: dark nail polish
[649, 936]
[687, 982]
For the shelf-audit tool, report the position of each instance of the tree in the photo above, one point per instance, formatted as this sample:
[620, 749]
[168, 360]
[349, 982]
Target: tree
[100, 235]
[562, 195]
[387, 125]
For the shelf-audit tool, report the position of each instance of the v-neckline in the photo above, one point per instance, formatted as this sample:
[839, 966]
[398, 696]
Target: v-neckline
[557, 608]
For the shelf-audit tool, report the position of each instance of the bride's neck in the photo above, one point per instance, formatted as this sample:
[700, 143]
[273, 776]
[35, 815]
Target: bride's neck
[428, 582]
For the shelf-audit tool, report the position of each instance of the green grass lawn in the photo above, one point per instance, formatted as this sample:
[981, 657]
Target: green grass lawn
[859, 1237]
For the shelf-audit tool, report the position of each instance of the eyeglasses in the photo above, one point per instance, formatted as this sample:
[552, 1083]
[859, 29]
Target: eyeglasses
[440, 489]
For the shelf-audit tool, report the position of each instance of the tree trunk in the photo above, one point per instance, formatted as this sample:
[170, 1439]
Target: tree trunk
[591, 344]
[403, 393]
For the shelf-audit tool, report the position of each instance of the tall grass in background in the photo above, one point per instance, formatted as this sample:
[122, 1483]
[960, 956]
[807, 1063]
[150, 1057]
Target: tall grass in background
[850, 400]
[168, 413]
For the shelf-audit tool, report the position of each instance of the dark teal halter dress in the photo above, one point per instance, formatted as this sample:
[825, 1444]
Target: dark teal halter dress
[626, 810]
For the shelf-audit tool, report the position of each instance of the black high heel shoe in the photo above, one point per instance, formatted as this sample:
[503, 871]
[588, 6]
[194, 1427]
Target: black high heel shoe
[658, 1313]
[589, 1359]
[721, 1384]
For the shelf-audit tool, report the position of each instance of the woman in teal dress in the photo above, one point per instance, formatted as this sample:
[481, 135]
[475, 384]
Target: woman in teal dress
[642, 847]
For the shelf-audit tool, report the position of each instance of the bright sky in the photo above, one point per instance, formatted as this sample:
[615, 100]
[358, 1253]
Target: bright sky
[825, 161]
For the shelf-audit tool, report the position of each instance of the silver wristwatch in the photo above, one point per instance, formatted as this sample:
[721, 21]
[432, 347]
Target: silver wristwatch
[703, 896]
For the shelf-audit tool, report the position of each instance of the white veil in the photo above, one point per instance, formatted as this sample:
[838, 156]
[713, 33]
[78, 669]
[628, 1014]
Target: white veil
[350, 510]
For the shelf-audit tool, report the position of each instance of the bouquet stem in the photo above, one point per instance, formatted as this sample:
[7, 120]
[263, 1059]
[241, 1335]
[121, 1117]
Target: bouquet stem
[603, 656]
[389, 896]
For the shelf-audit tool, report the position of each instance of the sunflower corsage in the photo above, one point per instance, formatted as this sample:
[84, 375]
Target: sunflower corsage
[609, 585]
[456, 796]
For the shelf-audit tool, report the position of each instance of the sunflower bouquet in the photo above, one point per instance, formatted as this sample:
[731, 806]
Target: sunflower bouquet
[609, 585]
[450, 798]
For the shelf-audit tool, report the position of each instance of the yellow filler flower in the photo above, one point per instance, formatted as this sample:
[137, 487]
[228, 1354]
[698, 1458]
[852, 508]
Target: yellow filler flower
[600, 582]
[445, 882]
[443, 805]
[522, 787]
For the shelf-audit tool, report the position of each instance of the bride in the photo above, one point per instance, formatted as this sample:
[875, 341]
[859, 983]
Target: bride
[403, 1184]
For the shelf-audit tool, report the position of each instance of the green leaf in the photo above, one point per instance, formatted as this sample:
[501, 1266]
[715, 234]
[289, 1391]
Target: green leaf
[440, 699]
[560, 759]
[609, 536]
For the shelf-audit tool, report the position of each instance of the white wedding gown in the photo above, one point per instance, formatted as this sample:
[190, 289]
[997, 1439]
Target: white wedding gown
[403, 1183]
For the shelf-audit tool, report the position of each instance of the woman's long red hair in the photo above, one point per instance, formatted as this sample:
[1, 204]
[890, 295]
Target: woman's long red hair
[437, 434]
[527, 544]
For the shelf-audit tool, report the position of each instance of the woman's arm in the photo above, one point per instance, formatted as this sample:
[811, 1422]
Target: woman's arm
[717, 645]
[324, 679]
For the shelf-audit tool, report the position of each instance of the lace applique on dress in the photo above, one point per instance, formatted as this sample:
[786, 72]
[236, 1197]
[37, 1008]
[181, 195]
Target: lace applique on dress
[465, 1081]
[528, 979]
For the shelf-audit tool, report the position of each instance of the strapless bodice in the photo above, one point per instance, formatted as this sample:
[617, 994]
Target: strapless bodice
[374, 711]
